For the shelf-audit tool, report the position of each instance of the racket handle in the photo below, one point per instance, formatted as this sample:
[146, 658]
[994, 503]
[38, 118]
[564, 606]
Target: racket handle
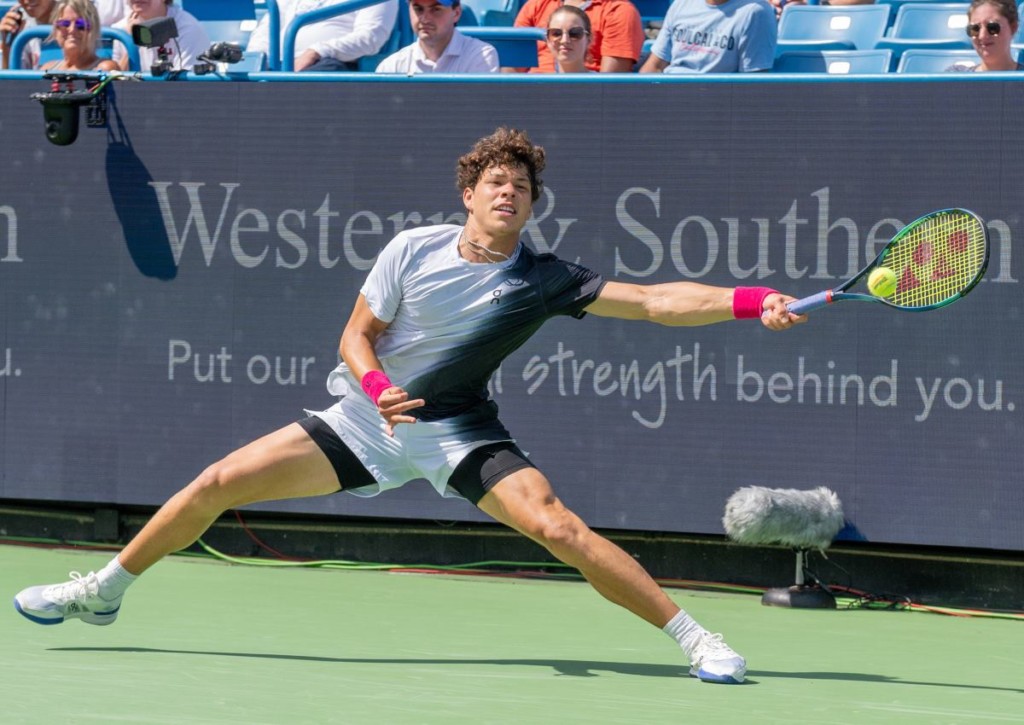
[806, 304]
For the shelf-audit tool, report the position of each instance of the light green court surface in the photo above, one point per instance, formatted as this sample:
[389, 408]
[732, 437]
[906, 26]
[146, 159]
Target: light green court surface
[199, 641]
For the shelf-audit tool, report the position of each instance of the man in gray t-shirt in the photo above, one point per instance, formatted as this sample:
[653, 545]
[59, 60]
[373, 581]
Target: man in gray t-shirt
[705, 36]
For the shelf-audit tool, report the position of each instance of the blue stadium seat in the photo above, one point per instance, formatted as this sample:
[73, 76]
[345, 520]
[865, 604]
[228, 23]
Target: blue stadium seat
[652, 9]
[224, 20]
[831, 27]
[833, 62]
[488, 13]
[517, 47]
[895, 5]
[934, 26]
[400, 37]
[927, 60]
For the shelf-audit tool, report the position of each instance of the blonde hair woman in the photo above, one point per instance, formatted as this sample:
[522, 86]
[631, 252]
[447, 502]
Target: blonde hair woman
[76, 29]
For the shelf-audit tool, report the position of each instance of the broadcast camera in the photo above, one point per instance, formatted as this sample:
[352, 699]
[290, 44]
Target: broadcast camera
[156, 33]
[218, 53]
[61, 104]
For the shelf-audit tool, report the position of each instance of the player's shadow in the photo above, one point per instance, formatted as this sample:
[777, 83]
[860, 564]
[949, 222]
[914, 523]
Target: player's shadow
[571, 668]
[135, 202]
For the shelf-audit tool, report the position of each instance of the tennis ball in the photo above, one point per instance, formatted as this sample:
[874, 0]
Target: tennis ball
[882, 282]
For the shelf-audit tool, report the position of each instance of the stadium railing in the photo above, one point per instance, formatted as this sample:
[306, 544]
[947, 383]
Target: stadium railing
[43, 31]
[517, 47]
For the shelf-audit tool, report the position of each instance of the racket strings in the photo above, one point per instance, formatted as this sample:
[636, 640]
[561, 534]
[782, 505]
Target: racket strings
[938, 260]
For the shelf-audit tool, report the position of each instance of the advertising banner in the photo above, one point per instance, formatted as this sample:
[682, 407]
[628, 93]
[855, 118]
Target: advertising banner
[174, 285]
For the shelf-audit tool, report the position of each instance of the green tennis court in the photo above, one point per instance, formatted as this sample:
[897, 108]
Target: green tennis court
[199, 641]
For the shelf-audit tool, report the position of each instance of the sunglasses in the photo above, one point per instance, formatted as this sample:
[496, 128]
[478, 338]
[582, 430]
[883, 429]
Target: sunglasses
[573, 33]
[991, 27]
[79, 23]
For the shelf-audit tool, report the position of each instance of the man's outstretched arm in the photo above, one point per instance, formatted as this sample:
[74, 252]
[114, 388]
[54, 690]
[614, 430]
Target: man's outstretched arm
[691, 304]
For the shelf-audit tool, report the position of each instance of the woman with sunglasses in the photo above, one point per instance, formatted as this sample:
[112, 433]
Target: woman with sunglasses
[77, 31]
[991, 25]
[568, 39]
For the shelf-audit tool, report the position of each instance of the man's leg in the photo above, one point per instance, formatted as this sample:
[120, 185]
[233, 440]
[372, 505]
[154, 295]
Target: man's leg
[525, 502]
[284, 464]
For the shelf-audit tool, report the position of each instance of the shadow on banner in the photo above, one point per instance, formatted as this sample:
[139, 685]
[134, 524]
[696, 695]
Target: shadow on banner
[137, 209]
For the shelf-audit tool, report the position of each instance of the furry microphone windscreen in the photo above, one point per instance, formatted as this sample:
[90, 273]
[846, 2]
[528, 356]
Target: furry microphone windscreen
[788, 516]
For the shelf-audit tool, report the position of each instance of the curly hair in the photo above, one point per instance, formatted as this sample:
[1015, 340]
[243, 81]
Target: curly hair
[504, 147]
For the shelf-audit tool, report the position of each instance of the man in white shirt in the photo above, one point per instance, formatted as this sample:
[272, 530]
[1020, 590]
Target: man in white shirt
[182, 52]
[336, 43]
[110, 11]
[439, 47]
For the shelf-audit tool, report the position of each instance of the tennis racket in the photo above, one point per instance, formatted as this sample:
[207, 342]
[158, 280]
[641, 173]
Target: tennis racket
[937, 259]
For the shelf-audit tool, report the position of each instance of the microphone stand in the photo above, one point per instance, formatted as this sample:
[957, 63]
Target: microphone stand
[801, 595]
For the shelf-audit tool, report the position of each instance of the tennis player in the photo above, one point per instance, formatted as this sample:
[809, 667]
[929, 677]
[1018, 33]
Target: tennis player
[439, 311]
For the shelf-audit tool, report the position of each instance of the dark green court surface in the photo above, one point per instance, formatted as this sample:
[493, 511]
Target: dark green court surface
[199, 641]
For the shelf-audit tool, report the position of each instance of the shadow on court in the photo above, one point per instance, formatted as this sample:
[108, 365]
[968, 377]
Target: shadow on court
[861, 677]
[572, 668]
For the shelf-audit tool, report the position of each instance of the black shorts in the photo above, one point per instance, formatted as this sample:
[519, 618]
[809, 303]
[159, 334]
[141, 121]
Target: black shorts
[475, 475]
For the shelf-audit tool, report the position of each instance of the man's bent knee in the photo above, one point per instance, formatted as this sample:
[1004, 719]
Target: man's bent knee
[560, 530]
[215, 488]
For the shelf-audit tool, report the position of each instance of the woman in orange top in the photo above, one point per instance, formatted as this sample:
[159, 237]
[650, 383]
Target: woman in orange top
[617, 34]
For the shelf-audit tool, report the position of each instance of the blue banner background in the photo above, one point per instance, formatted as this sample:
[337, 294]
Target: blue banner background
[175, 285]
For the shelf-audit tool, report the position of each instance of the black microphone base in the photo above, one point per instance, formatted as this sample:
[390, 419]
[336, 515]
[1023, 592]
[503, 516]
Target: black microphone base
[799, 597]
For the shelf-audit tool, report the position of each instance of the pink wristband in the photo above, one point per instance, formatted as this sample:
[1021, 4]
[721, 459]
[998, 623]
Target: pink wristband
[374, 383]
[748, 302]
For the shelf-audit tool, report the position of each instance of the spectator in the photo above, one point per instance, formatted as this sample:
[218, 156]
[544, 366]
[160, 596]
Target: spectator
[182, 51]
[333, 44]
[568, 39]
[110, 11]
[991, 25]
[439, 47]
[617, 33]
[715, 36]
[77, 32]
[39, 12]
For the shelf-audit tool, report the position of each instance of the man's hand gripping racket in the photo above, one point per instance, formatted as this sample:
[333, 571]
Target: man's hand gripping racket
[936, 260]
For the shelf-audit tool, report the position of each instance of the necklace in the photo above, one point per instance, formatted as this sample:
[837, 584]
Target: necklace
[489, 254]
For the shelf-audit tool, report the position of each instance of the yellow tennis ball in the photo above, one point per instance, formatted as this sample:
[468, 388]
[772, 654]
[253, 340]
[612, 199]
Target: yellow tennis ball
[882, 282]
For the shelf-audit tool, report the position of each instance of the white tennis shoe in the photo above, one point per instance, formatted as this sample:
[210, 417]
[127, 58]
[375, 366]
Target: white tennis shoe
[76, 599]
[714, 661]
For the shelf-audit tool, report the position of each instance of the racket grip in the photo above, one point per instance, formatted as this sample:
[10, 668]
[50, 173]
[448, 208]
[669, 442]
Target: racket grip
[806, 304]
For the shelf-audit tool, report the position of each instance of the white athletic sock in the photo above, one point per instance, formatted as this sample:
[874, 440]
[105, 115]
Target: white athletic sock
[114, 579]
[684, 630]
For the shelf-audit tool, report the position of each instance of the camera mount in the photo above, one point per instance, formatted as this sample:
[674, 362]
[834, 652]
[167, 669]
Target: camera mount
[156, 33]
[222, 52]
[61, 104]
